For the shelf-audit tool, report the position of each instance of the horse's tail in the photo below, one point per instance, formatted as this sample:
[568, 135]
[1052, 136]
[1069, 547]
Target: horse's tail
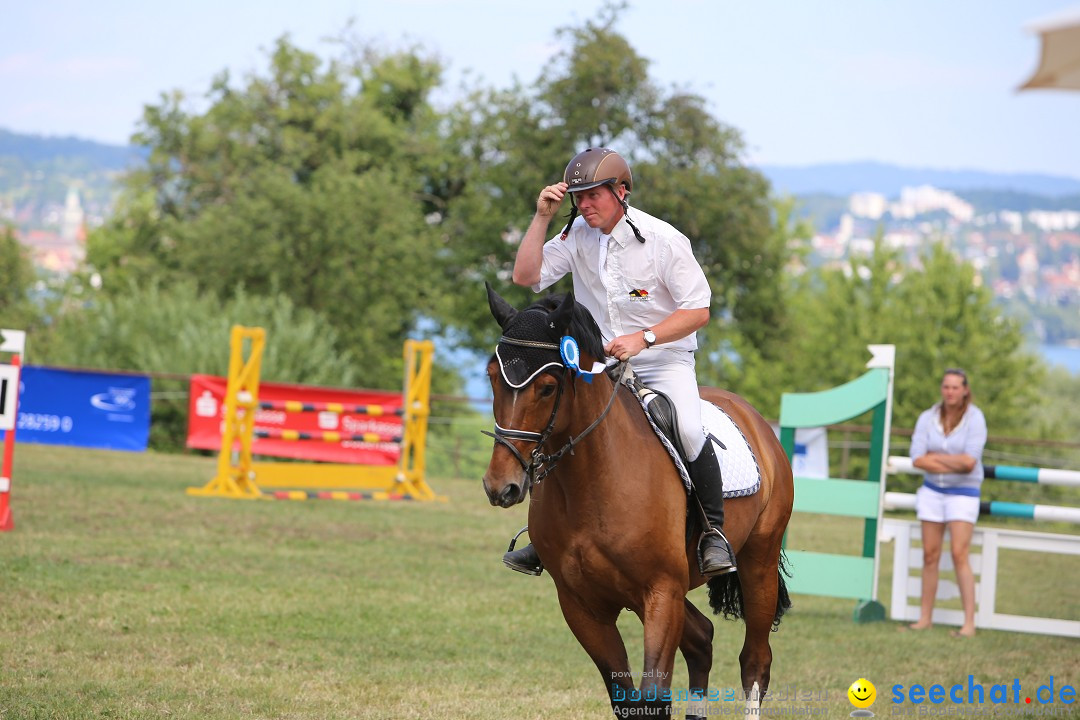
[783, 600]
[725, 594]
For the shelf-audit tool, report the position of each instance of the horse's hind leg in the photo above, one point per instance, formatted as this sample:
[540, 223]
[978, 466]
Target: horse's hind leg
[759, 579]
[696, 646]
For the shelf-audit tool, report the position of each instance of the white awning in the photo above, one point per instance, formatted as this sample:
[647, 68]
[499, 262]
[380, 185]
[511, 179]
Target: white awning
[1059, 66]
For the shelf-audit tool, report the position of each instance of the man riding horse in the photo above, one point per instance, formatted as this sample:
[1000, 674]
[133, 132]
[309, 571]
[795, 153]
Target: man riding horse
[648, 294]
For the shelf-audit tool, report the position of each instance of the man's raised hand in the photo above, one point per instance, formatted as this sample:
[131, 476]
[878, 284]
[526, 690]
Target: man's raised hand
[550, 199]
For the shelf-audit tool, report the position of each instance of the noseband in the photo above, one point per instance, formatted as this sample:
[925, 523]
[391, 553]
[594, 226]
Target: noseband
[540, 463]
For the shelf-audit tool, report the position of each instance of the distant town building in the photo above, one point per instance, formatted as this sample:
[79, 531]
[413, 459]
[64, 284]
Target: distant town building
[846, 229]
[1047, 220]
[1014, 221]
[828, 247]
[59, 252]
[925, 199]
[71, 222]
[868, 205]
[903, 239]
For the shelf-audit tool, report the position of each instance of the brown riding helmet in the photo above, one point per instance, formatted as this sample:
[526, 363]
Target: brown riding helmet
[598, 166]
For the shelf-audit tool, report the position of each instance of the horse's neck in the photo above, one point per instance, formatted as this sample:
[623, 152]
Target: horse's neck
[604, 458]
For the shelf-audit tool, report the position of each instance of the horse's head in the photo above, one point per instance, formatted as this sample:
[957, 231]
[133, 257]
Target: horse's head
[528, 380]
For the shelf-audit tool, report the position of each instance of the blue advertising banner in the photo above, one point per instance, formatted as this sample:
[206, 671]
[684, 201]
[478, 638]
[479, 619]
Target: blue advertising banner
[84, 409]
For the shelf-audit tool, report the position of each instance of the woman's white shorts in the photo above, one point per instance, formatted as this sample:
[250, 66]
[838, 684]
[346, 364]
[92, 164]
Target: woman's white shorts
[933, 506]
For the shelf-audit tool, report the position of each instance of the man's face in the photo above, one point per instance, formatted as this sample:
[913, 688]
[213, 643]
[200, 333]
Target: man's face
[599, 206]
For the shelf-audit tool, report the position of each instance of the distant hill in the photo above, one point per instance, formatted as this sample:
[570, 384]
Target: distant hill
[39, 149]
[846, 178]
[37, 172]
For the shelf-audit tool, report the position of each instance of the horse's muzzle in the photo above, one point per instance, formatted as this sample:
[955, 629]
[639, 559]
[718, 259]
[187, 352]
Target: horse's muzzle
[511, 493]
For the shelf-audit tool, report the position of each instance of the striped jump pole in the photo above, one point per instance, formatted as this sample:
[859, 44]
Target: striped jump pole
[296, 406]
[996, 508]
[1042, 476]
[334, 495]
[325, 436]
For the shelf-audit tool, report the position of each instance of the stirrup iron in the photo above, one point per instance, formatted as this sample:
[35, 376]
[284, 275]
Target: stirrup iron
[526, 565]
[727, 563]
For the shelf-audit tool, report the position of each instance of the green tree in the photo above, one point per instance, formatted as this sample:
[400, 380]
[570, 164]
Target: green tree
[1056, 415]
[17, 273]
[183, 330]
[753, 357]
[313, 180]
[936, 315]
[687, 167]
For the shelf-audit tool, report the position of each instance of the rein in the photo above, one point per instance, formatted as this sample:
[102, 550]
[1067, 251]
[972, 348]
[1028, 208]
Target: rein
[541, 464]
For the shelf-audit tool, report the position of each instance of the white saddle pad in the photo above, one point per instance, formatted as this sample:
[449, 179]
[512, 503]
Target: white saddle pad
[738, 466]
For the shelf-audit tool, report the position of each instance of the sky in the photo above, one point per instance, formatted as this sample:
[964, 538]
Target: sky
[919, 83]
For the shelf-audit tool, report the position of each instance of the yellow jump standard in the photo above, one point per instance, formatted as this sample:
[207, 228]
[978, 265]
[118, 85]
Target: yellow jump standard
[238, 476]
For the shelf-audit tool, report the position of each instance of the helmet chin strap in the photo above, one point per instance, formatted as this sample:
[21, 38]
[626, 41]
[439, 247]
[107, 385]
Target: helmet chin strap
[572, 216]
[626, 215]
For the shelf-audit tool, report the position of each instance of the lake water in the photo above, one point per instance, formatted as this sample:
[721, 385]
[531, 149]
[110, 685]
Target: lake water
[1064, 355]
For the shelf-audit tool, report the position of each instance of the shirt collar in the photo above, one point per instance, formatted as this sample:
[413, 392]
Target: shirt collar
[937, 419]
[622, 232]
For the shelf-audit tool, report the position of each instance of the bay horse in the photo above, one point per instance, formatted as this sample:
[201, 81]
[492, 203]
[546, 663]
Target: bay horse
[609, 512]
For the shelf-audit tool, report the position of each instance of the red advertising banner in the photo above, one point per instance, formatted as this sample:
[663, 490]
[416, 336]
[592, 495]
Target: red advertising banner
[357, 429]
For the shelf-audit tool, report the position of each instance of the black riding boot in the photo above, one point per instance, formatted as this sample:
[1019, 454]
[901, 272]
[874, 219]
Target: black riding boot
[714, 552]
[524, 560]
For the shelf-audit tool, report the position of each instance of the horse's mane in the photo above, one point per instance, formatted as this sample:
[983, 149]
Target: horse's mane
[583, 327]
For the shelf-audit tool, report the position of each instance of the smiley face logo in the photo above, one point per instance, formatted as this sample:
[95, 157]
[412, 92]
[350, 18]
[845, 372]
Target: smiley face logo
[862, 693]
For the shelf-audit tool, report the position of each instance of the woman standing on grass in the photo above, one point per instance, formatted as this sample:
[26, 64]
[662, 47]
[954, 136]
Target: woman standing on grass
[947, 446]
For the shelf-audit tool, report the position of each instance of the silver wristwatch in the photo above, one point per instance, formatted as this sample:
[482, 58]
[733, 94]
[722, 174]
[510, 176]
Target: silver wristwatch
[650, 337]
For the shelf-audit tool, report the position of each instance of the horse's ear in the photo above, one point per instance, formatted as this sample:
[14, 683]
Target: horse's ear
[560, 317]
[502, 311]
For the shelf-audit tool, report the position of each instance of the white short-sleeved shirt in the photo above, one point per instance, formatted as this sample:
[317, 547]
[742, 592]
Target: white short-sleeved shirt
[968, 437]
[639, 286]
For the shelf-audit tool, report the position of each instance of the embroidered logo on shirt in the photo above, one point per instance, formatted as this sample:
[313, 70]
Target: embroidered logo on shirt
[639, 295]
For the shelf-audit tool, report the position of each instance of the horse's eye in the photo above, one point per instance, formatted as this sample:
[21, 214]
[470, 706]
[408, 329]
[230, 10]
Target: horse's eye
[547, 390]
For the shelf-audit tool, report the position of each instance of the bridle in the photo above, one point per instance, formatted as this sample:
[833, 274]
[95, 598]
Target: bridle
[540, 463]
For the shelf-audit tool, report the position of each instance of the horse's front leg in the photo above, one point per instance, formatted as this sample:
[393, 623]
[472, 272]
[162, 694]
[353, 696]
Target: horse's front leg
[663, 617]
[600, 638]
[696, 646]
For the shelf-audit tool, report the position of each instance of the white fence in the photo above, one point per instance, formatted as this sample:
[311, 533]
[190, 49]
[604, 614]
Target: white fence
[985, 566]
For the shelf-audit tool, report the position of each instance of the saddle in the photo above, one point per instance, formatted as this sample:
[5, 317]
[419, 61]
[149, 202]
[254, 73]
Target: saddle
[663, 414]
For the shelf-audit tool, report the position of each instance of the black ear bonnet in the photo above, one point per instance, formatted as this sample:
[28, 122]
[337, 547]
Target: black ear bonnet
[528, 347]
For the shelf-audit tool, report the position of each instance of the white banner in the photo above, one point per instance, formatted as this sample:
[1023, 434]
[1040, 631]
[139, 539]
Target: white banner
[811, 458]
[9, 394]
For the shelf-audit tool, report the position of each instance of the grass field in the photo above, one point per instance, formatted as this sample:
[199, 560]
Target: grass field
[122, 597]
